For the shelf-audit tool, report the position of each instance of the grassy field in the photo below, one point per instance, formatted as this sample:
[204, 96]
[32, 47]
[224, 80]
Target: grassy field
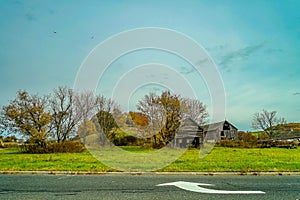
[220, 159]
[223, 159]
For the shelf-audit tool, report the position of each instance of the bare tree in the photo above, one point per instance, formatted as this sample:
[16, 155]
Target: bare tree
[150, 107]
[266, 120]
[85, 106]
[99, 109]
[64, 116]
[194, 109]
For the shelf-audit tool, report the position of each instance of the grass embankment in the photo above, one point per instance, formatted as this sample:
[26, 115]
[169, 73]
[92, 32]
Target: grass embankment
[220, 159]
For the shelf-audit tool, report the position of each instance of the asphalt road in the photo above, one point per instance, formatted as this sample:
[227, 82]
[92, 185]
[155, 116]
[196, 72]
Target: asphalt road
[145, 187]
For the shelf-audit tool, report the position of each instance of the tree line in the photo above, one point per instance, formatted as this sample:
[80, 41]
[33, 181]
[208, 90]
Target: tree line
[64, 115]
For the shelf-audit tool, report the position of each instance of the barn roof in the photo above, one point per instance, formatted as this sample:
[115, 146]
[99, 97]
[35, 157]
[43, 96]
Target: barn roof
[217, 126]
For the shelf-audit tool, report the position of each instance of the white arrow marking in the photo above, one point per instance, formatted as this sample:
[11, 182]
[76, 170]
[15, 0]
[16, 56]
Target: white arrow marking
[195, 187]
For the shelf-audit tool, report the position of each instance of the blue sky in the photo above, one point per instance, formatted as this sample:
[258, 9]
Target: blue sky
[255, 45]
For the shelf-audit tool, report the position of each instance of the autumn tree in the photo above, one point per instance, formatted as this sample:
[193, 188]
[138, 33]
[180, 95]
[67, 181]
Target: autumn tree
[266, 121]
[65, 117]
[28, 115]
[139, 123]
[172, 112]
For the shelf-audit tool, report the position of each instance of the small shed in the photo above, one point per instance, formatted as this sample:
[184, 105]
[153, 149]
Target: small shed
[189, 134]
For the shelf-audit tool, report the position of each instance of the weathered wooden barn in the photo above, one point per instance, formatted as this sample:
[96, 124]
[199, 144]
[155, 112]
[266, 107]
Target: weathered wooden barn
[189, 134]
[220, 131]
[192, 134]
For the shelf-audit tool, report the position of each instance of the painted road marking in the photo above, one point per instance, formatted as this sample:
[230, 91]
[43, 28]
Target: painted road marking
[195, 187]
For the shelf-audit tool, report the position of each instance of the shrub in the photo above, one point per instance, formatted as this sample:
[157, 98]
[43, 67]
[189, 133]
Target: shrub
[286, 144]
[53, 147]
[248, 137]
[65, 147]
[32, 148]
[228, 143]
[237, 144]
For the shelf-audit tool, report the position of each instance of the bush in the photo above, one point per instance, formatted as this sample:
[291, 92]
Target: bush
[32, 148]
[237, 144]
[286, 144]
[228, 143]
[65, 147]
[129, 140]
[53, 147]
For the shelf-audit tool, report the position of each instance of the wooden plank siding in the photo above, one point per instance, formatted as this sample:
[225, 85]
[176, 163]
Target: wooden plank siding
[189, 133]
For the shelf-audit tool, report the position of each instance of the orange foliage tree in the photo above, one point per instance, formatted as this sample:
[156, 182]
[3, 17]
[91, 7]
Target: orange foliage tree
[139, 118]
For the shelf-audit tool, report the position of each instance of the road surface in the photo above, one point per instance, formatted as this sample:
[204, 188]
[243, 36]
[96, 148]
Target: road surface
[146, 187]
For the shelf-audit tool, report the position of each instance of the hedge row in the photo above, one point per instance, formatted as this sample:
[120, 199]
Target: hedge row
[54, 147]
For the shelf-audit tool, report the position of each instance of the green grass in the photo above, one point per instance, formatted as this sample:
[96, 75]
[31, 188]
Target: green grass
[220, 159]
[11, 159]
[223, 159]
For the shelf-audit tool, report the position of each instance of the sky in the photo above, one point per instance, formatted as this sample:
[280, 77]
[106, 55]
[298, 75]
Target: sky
[255, 46]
